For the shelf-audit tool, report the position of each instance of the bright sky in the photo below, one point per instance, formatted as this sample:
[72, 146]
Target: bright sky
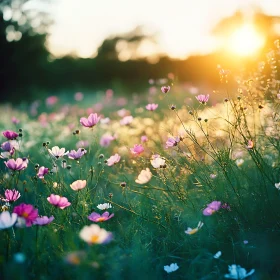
[182, 26]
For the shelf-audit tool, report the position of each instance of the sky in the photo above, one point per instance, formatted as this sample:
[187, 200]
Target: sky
[182, 27]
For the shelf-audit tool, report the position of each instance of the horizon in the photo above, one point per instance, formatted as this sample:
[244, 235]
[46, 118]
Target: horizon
[81, 35]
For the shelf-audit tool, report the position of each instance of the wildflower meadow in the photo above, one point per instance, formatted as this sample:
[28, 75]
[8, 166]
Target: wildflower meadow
[166, 183]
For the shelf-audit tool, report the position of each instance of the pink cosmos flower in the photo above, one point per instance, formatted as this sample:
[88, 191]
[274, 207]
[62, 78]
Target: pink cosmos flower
[213, 176]
[137, 149]
[144, 139]
[113, 159]
[77, 154]
[27, 212]
[91, 121]
[105, 121]
[212, 208]
[18, 164]
[165, 89]
[172, 142]
[203, 99]
[126, 120]
[8, 147]
[78, 185]
[58, 201]
[106, 139]
[15, 120]
[152, 107]
[123, 112]
[95, 217]
[43, 220]
[122, 101]
[12, 195]
[250, 145]
[10, 135]
[42, 172]
[78, 96]
[51, 100]
[82, 144]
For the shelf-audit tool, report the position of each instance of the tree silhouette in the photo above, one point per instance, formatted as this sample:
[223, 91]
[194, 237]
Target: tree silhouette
[266, 25]
[23, 54]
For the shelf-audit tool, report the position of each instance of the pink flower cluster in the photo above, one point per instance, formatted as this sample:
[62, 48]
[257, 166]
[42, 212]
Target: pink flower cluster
[212, 208]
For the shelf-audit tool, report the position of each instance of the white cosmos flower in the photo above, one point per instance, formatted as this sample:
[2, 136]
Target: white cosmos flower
[104, 206]
[57, 152]
[144, 176]
[7, 220]
[194, 230]
[93, 234]
[237, 272]
[171, 268]
[217, 255]
[239, 161]
[157, 161]
[277, 186]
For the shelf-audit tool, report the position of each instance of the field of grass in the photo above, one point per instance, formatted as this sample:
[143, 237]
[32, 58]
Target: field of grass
[191, 182]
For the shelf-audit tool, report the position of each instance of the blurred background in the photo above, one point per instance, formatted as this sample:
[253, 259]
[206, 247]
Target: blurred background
[54, 46]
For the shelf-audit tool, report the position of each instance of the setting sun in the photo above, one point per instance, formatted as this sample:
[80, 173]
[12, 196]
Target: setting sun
[246, 41]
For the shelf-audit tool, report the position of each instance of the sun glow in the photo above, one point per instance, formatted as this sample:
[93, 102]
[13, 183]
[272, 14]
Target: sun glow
[246, 41]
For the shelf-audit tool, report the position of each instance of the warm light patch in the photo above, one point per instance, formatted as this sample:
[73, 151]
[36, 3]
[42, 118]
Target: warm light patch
[246, 41]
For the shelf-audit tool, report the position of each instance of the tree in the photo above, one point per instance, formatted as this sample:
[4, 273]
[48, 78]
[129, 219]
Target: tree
[23, 55]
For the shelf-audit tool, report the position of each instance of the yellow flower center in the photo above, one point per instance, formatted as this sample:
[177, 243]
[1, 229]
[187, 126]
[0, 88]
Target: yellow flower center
[193, 231]
[94, 238]
[101, 219]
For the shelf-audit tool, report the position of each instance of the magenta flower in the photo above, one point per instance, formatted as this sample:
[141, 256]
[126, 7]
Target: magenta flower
[212, 208]
[27, 212]
[203, 99]
[165, 89]
[95, 217]
[43, 220]
[137, 149]
[42, 172]
[172, 142]
[12, 195]
[77, 154]
[10, 135]
[91, 121]
[151, 107]
[18, 164]
[58, 201]
[113, 159]
[144, 139]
